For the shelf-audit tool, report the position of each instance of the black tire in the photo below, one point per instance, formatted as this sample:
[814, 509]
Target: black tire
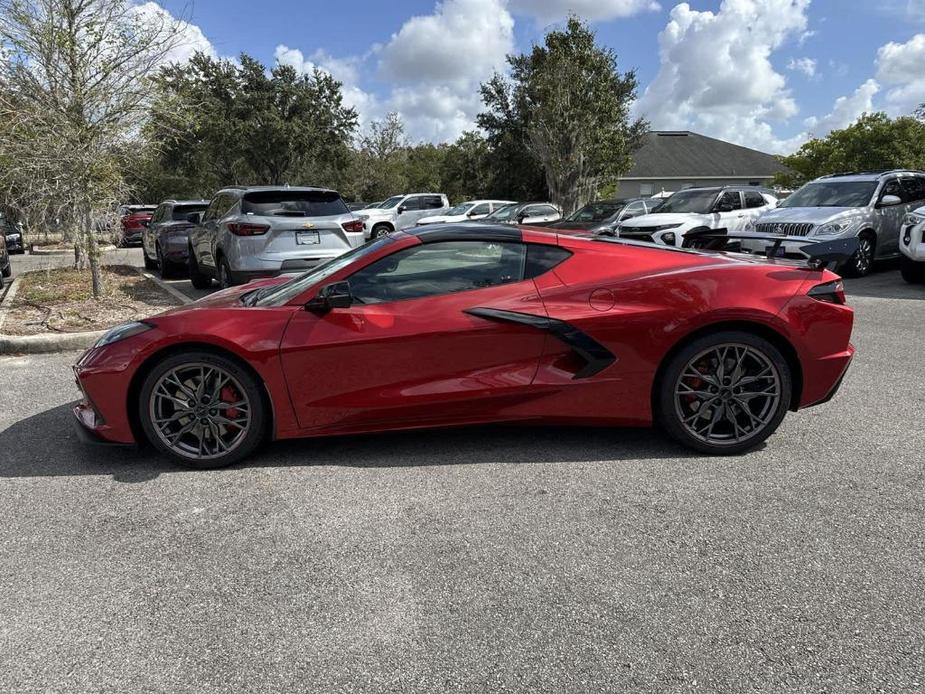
[7, 272]
[252, 392]
[150, 264]
[226, 277]
[862, 262]
[689, 238]
[381, 230]
[167, 270]
[675, 405]
[912, 272]
[197, 277]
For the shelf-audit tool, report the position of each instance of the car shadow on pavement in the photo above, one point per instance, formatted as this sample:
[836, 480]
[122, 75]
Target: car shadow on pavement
[46, 445]
[884, 282]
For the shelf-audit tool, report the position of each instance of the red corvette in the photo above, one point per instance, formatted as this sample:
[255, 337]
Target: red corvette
[452, 325]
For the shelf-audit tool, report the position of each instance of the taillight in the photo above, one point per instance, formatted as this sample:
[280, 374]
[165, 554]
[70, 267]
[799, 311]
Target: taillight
[245, 229]
[830, 292]
[354, 226]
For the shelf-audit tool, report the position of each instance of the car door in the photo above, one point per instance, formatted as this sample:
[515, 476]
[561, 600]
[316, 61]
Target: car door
[890, 218]
[755, 205]
[733, 219]
[406, 351]
[409, 212]
[149, 234]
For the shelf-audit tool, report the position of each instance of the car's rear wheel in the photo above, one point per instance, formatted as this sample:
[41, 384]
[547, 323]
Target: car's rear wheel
[724, 393]
[202, 409]
[381, 230]
[225, 278]
[197, 277]
[862, 262]
[912, 272]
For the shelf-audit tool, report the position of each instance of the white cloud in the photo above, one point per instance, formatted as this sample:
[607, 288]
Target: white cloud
[805, 65]
[461, 42]
[845, 111]
[901, 65]
[190, 37]
[715, 75]
[594, 10]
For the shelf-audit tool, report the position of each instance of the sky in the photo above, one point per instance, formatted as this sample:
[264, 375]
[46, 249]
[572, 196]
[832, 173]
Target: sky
[767, 74]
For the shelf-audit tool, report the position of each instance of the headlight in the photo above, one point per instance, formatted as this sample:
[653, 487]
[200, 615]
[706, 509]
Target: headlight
[835, 228]
[120, 332]
[910, 219]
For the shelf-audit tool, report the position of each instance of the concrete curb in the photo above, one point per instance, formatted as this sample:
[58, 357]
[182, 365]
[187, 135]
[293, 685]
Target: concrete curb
[68, 251]
[175, 293]
[41, 344]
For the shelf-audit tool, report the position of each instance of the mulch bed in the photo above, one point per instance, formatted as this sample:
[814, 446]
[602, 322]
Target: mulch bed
[60, 300]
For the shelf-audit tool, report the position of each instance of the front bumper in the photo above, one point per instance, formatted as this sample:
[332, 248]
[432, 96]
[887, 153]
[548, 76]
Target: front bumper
[912, 242]
[86, 427]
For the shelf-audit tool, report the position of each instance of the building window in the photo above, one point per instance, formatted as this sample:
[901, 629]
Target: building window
[646, 189]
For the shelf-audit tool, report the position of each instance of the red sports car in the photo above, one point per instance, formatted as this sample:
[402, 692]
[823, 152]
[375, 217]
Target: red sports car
[452, 325]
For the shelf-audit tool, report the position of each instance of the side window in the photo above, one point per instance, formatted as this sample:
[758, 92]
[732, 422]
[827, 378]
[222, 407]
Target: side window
[411, 203]
[432, 202]
[731, 197]
[540, 210]
[542, 258]
[754, 199]
[892, 187]
[914, 188]
[212, 211]
[439, 268]
[480, 209]
[159, 214]
[228, 202]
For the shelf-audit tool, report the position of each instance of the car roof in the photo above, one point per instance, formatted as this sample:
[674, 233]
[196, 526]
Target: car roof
[868, 175]
[471, 231]
[298, 189]
[185, 202]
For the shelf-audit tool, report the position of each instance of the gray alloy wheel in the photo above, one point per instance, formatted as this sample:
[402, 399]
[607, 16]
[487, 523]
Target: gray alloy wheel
[381, 230]
[225, 279]
[724, 393]
[727, 394]
[164, 267]
[202, 409]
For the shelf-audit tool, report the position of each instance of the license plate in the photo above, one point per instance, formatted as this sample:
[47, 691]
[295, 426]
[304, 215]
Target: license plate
[307, 238]
[769, 252]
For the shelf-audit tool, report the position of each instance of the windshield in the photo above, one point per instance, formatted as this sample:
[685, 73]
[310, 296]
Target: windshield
[391, 202]
[596, 212]
[503, 214]
[181, 211]
[281, 294]
[293, 203]
[692, 201]
[460, 209]
[832, 194]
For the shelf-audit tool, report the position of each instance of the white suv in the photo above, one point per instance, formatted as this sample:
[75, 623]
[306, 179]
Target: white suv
[400, 212]
[473, 209]
[912, 247]
[698, 209]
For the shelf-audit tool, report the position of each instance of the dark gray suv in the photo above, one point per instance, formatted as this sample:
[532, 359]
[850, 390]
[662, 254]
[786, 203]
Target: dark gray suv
[165, 241]
[250, 232]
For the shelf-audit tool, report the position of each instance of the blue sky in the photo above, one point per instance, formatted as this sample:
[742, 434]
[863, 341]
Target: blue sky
[764, 73]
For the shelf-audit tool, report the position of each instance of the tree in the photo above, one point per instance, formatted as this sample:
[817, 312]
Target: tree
[872, 143]
[381, 162]
[466, 169]
[216, 122]
[571, 106]
[73, 90]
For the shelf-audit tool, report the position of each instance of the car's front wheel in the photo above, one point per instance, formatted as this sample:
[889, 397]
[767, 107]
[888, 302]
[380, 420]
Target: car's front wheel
[724, 393]
[202, 409]
[381, 230]
[862, 262]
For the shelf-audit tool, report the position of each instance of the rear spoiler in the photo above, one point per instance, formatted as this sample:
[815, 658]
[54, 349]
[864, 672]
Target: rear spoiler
[818, 254]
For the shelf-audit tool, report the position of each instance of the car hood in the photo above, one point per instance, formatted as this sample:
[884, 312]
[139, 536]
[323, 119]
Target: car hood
[660, 219]
[815, 215]
[227, 297]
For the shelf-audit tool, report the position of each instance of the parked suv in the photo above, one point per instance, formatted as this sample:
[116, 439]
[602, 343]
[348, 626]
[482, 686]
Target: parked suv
[250, 232]
[464, 211]
[5, 268]
[698, 209]
[401, 211]
[912, 247]
[12, 234]
[132, 222]
[165, 241]
[869, 205]
[524, 213]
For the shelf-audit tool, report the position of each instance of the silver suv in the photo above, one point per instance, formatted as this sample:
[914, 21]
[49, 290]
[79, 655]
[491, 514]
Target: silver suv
[868, 205]
[264, 231]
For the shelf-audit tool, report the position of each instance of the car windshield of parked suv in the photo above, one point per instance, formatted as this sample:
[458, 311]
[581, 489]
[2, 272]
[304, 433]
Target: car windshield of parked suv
[596, 212]
[293, 203]
[460, 209]
[689, 201]
[832, 194]
[502, 214]
[280, 294]
[180, 212]
[391, 202]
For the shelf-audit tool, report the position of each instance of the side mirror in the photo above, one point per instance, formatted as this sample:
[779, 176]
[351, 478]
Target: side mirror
[330, 296]
[521, 217]
[471, 214]
[194, 217]
[889, 201]
[401, 209]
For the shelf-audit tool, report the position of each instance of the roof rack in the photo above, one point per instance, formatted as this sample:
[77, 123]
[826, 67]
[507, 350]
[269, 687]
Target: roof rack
[873, 172]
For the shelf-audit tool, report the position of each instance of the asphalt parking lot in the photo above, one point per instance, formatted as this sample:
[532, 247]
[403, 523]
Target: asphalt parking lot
[494, 559]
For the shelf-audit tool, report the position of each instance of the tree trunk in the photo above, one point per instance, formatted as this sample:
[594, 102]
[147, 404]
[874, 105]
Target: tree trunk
[93, 255]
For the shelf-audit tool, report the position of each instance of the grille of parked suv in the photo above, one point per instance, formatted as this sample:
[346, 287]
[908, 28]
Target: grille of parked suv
[785, 229]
